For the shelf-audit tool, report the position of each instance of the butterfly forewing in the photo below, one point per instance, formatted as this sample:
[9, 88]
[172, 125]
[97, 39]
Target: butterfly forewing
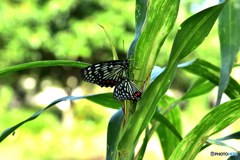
[103, 73]
[127, 90]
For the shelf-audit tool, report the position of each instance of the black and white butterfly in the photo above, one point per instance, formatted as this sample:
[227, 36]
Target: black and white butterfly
[103, 74]
[127, 90]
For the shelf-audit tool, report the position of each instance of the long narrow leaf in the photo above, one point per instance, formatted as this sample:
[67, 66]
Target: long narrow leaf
[42, 64]
[235, 135]
[160, 20]
[144, 144]
[167, 124]
[105, 99]
[140, 16]
[199, 87]
[217, 142]
[212, 123]
[113, 134]
[212, 73]
[115, 56]
[169, 140]
[231, 136]
[228, 29]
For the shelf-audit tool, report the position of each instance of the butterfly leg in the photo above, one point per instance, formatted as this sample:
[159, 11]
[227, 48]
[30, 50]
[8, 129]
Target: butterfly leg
[136, 80]
[134, 68]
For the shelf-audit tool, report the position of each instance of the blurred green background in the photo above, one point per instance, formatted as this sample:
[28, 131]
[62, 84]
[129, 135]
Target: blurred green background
[36, 30]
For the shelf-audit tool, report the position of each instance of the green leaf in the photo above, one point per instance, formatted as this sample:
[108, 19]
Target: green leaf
[12, 129]
[115, 56]
[105, 99]
[217, 142]
[212, 73]
[199, 87]
[113, 134]
[235, 135]
[215, 121]
[160, 19]
[140, 16]
[228, 29]
[231, 136]
[42, 64]
[198, 26]
[160, 118]
[165, 127]
[194, 30]
[169, 140]
[144, 144]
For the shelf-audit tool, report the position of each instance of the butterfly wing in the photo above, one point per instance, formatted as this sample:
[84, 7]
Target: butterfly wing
[127, 90]
[103, 73]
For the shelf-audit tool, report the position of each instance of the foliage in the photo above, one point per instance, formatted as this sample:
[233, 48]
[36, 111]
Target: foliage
[156, 111]
[63, 30]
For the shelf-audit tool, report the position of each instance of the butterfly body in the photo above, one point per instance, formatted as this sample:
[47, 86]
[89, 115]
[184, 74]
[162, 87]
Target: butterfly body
[103, 74]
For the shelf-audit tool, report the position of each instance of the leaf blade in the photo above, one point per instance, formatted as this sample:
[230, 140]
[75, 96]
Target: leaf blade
[211, 72]
[168, 139]
[8, 131]
[167, 124]
[42, 64]
[199, 87]
[113, 134]
[228, 26]
[215, 121]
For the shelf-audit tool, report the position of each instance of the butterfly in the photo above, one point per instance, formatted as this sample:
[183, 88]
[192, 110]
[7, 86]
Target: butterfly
[127, 90]
[103, 74]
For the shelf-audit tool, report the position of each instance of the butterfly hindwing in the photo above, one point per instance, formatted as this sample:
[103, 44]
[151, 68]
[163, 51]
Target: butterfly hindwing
[103, 73]
[127, 90]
